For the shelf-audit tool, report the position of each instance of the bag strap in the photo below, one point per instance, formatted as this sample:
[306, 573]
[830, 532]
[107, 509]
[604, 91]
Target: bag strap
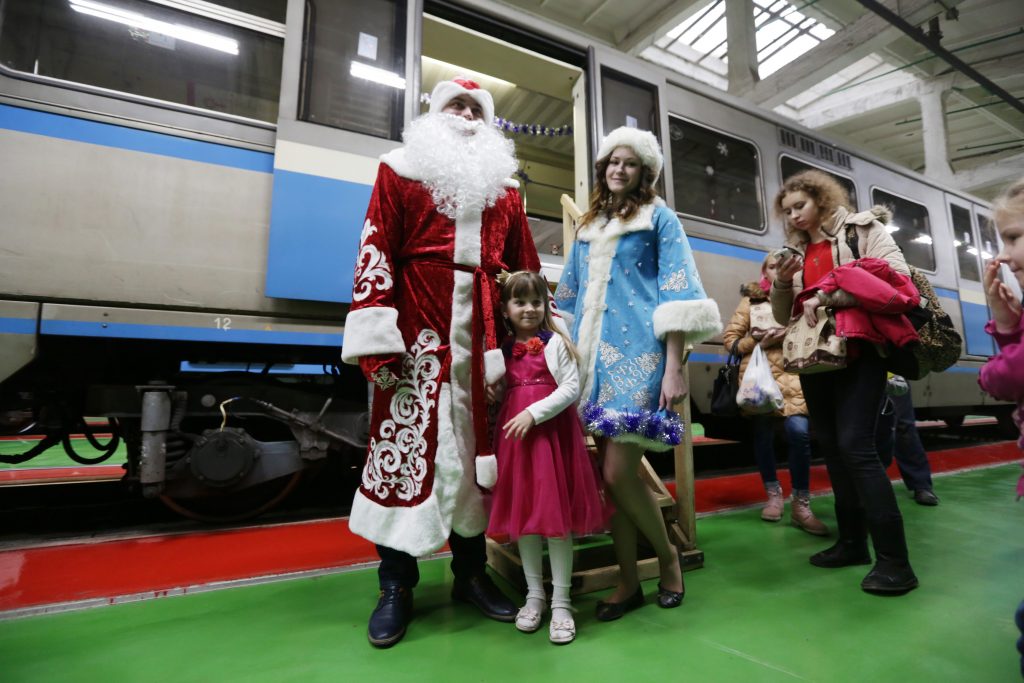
[853, 241]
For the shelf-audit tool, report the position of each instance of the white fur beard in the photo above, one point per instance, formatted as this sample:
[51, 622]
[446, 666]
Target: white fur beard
[464, 163]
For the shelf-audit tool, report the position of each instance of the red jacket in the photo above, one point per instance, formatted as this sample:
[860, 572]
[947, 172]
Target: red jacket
[883, 295]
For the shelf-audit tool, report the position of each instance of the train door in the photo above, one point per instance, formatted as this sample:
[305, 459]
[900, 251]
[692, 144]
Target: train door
[970, 256]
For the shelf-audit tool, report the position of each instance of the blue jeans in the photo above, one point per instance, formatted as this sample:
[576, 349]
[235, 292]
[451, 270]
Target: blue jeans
[897, 435]
[798, 440]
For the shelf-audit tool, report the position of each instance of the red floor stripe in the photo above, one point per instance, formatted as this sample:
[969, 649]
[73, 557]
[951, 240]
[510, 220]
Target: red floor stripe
[152, 565]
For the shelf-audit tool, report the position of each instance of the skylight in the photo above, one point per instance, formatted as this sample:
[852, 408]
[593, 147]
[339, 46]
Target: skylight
[783, 34]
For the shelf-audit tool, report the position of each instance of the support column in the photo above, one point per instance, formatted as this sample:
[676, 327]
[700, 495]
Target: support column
[934, 135]
[739, 20]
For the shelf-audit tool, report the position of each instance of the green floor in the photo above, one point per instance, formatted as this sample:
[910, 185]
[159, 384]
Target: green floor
[756, 612]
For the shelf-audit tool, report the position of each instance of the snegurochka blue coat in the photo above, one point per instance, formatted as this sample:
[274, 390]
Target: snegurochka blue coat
[624, 288]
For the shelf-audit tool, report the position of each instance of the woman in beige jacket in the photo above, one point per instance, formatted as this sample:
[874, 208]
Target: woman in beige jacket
[753, 324]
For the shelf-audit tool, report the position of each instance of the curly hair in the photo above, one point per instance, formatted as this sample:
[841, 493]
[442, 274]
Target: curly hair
[1010, 203]
[825, 190]
[604, 203]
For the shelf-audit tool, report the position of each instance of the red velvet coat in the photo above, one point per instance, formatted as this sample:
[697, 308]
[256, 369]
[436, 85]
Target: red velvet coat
[423, 293]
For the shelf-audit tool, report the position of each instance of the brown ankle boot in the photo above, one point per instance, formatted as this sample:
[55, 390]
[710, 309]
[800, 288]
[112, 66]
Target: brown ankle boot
[772, 511]
[801, 517]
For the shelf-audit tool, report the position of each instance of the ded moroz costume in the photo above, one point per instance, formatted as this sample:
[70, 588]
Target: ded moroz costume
[444, 219]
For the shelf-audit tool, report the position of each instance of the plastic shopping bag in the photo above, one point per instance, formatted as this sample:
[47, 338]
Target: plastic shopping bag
[759, 392]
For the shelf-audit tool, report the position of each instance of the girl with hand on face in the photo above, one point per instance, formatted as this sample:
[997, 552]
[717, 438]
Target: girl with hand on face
[844, 404]
[1003, 375]
[547, 484]
[632, 293]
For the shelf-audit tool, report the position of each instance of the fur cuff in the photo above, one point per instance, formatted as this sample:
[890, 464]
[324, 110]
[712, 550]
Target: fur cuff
[494, 366]
[486, 471]
[371, 331]
[698, 318]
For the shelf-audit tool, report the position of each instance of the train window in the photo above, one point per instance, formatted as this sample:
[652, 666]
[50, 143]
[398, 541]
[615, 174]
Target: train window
[627, 102]
[791, 167]
[353, 74]
[715, 176]
[910, 227]
[149, 50]
[989, 235]
[963, 240]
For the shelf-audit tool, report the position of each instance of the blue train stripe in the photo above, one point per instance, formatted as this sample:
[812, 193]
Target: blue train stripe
[722, 249]
[77, 328]
[948, 293]
[109, 135]
[315, 223]
[17, 325]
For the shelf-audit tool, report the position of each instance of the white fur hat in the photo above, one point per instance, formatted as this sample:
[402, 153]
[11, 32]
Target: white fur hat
[446, 91]
[642, 142]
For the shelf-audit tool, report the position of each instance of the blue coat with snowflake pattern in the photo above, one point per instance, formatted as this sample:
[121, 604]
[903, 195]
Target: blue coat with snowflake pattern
[624, 288]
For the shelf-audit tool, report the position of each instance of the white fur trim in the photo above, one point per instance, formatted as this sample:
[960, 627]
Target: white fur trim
[467, 238]
[486, 471]
[418, 530]
[446, 91]
[494, 366]
[642, 142]
[603, 229]
[698, 318]
[371, 331]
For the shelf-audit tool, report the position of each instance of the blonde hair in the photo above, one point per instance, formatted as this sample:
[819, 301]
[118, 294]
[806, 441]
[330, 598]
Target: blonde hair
[524, 283]
[1010, 203]
[826, 192]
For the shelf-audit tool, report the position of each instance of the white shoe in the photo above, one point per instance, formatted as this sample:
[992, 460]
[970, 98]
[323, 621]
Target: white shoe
[527, 619]
[562, 631]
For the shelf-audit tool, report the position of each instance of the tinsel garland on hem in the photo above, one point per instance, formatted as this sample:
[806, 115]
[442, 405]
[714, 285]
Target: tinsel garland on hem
[646, 427]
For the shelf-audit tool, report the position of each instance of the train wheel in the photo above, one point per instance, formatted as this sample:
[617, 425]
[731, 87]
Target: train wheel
[238, 506]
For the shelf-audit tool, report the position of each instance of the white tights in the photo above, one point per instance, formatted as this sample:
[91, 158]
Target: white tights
[560, 557]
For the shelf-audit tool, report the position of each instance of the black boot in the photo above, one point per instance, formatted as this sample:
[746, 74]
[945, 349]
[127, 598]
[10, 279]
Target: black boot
[391, 615]
[889, 578]
[842, 554]
[481, 591]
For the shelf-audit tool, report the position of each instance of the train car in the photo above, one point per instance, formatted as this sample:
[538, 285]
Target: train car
[185, 184]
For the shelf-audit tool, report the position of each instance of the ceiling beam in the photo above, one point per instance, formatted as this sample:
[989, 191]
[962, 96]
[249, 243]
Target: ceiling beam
[932, 43]
[865, 99]
[636, 40]
[867, 34]
[1000, 171]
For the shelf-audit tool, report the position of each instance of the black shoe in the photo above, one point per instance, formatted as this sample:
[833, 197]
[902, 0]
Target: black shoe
[480, 590]
[391, 615]
[889, 579]
[669, 599]
[842, 554]
[925, 497]
[610, 611]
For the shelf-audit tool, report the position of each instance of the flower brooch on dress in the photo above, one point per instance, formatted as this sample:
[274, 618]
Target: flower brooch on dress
[533, 347]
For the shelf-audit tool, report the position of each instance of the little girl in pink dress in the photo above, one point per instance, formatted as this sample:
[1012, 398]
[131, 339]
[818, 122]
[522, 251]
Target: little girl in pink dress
[547, 485]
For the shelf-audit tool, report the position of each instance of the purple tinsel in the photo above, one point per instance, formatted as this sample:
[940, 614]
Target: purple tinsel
[655, 426]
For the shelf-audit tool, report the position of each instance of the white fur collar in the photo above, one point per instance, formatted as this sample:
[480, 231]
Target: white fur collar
[603, 229]
[396, 160]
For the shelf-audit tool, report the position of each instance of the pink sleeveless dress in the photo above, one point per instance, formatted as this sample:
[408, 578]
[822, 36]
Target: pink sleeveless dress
[547, 482]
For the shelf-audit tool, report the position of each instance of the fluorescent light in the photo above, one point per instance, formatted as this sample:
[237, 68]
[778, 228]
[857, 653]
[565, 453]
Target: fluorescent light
[973, 251]
[892, 228]
[957, 243]
[372, 73]
[985, 255]
[136, 20]
[922, 239]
